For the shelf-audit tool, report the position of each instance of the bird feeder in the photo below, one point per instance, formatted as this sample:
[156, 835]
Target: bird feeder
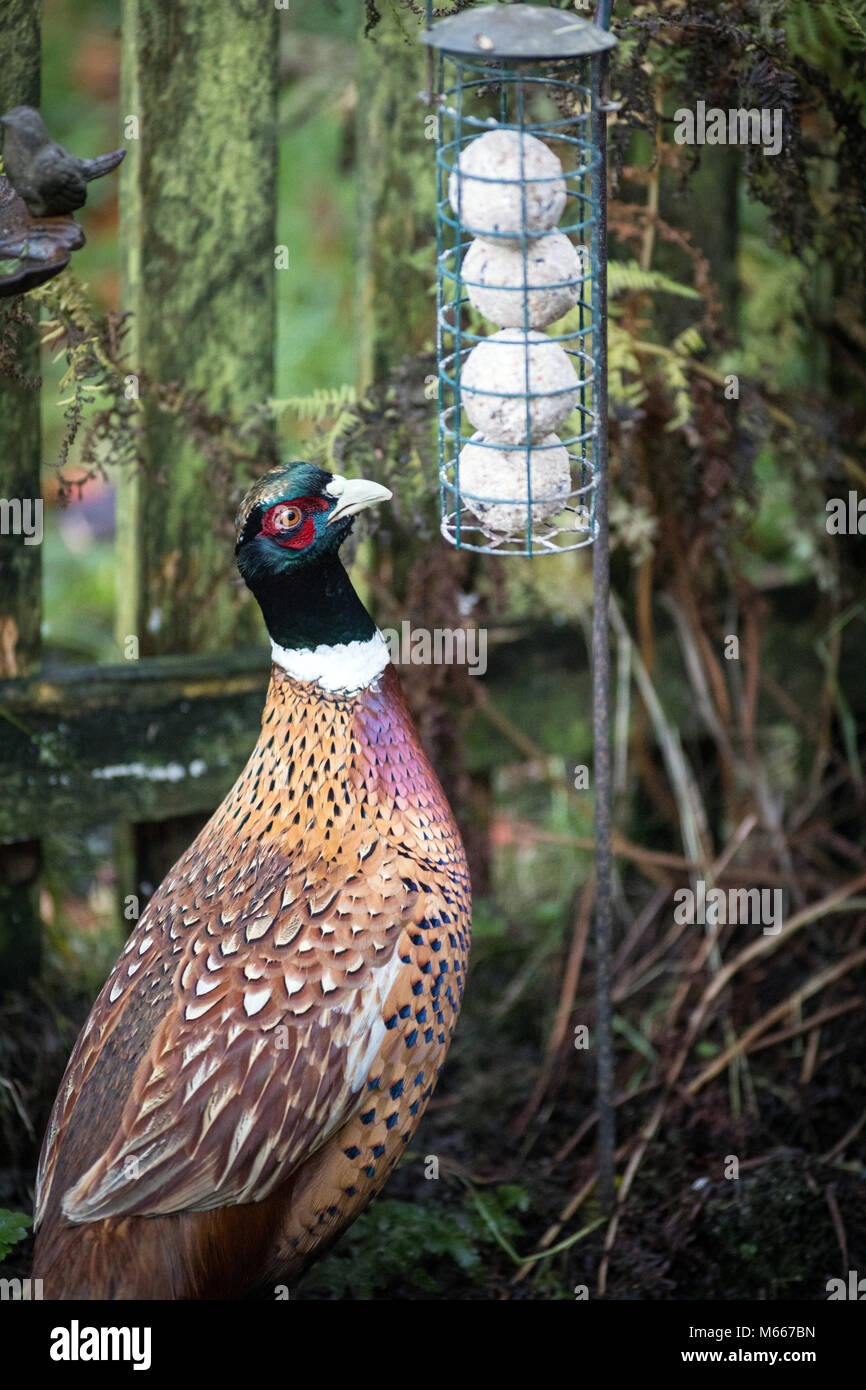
[520, 279]
[521, 342]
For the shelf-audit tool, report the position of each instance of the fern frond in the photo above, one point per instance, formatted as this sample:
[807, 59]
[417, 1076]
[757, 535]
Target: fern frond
[625, 381]
[819, 30]
[688, 343]
[853, 16]
[624, 277]
[319, 406]
[343, 422]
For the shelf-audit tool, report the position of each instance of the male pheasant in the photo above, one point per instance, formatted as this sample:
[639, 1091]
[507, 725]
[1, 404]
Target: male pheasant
[269, 1037]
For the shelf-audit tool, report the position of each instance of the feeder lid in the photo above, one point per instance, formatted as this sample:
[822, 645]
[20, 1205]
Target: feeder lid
[517, 31]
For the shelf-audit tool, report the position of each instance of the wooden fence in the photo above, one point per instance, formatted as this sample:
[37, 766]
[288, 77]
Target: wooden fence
[150, 745]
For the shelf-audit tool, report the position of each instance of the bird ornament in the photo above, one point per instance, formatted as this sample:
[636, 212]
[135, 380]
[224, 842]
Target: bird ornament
[270, 1035]
[51, 181]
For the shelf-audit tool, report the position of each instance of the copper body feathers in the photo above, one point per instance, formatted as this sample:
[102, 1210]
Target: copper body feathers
[268, 1039]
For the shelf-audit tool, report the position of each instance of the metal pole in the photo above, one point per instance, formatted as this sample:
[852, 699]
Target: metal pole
[601, 668]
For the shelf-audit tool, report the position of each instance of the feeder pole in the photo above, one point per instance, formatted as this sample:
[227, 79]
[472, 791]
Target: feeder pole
[601, 664]
[527, 35]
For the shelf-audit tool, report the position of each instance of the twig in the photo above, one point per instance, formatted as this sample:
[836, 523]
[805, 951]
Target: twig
[567, 995]
[839, 1148]
[742, 1044]
[763, 946]
[838, 1224]
[649, 858]
[815, 1021]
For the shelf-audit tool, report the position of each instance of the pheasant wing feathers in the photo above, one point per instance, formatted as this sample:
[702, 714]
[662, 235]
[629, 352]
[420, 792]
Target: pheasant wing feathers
[274, 1016]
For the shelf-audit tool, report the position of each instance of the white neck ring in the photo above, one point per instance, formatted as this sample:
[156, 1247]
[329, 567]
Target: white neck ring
[341, 669]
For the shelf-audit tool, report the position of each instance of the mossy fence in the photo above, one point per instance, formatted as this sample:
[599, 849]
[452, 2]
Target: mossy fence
[149, 746]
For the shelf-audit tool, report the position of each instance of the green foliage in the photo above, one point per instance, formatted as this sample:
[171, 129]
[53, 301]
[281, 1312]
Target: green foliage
[853, 17]
[625, 382]
[774, 345]
[316, 308]
[627, 378]
[779, 535]
[675, 374]
[628, 384]
[97, 406]
[625, 277]
[332, 406]
[634, 527]
[489, 922]
[829, 35]
[13, 1228]
[319, 405]
[78, 597]
[409, 1245]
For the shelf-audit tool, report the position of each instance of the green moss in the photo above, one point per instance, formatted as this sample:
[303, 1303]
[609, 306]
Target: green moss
[199, 235]
[405, 1247]
[768, 1235]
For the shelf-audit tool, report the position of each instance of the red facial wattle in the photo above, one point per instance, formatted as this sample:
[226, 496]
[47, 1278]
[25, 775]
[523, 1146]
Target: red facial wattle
[299, 534]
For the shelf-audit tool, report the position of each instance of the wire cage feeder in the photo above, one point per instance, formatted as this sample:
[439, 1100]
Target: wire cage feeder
[521, 261]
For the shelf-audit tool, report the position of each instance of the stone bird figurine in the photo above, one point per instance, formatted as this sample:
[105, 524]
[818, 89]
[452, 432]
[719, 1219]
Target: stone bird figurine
[51, 181]
[267, 1041]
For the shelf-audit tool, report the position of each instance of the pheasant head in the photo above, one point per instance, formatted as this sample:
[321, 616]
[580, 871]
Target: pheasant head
[290, 527]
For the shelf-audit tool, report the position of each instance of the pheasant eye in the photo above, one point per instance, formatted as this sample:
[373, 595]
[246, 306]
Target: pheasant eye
[291, 524]
[284, 518]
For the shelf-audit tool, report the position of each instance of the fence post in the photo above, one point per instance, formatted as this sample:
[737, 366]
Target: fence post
[20, 564]
[198, 198]
[396, 196]
[198, 216]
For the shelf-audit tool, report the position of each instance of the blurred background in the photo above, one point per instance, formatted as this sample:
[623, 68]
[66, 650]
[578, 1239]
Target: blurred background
[737, 399]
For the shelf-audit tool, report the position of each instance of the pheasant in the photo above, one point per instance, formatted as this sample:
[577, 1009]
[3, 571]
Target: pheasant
[265, 1045]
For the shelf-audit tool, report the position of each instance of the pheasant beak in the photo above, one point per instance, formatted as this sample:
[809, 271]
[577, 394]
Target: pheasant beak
[353, 495]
